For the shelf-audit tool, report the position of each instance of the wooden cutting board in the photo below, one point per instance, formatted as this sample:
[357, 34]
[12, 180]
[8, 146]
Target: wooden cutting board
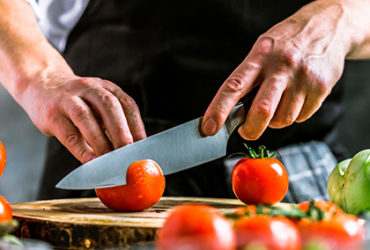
[87, 223]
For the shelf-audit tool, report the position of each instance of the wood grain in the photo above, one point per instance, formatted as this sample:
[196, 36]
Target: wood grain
[87, 223]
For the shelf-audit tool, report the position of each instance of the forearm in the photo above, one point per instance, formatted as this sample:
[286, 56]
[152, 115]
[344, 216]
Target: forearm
[354, 27]
[361, 29]
[323, 25]
[26, 57]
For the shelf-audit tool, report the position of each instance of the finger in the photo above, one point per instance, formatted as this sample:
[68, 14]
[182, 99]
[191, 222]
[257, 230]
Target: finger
[112, 115]
[263, 107]
[314, 99]
[310, 106]
[289, 107]
[71, 138]
[83, 118]
[131, 110]
[237, 85]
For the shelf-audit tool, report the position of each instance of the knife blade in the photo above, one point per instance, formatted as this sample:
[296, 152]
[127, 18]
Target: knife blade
[174, 150]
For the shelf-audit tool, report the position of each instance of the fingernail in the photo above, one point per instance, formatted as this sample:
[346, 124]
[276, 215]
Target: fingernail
[210, 127]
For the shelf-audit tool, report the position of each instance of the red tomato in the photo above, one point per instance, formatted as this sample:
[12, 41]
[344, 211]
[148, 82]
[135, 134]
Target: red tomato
[2, 158]
[337, 230]
[267, 232]
[196, 227]
[330, 209]
[6, 213]
[260, 180]
[145, 186]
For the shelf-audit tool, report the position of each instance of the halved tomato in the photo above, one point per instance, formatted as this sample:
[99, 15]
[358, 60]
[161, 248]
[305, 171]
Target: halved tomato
[145, 186]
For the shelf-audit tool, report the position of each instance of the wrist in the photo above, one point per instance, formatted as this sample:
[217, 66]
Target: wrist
[26, 57]
[353, 27]
[35, 69]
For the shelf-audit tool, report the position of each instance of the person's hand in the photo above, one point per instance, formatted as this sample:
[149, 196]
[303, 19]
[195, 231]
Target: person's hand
[89, 116]
[296, 64]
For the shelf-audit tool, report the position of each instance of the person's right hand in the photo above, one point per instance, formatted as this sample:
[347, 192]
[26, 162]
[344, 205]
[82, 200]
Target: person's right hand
[89, 116]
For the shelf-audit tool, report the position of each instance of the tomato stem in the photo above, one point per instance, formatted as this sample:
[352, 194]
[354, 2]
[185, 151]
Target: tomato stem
[313, 212]
[294, 212]
[259, 209]
[263, 153]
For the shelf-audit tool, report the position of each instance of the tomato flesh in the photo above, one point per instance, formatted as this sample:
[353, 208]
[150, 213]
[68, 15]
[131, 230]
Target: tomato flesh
[145, 186]
[6, 213]
[2, 158]
[259, 181]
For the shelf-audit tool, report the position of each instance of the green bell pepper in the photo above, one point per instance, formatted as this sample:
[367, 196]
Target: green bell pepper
[349, 183]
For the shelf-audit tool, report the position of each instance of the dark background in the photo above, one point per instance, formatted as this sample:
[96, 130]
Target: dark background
[25, 144]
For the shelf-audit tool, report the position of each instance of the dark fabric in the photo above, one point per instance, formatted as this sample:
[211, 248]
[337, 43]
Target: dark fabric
[171, 57]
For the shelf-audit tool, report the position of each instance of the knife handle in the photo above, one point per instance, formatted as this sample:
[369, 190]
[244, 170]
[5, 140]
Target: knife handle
[236, 117]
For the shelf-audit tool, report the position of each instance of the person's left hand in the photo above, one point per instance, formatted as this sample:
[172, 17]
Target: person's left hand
[296, 64]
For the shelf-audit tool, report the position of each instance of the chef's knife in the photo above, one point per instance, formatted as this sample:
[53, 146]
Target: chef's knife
[174, 150]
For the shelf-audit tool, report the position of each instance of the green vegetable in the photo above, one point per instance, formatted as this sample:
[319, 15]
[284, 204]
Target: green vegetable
[336, 180]
[349, 183]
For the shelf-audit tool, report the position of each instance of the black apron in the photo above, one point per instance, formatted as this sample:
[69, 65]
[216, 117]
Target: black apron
[171, 57]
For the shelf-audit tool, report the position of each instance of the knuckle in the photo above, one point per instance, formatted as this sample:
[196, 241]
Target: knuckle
[130, 103]
[125, 139]
[264, 44]
[51, 109]
[118, 92]
[79, 111]
[251, 65]
[84, 156]
[321, 87]
[306, 70]
[110, 100]
[110, 85]
[84, 80]
[219, 109]
[290, 57]
[264, 109]
[99, 140]
[235, 84]
[72, 140]
[277, 80]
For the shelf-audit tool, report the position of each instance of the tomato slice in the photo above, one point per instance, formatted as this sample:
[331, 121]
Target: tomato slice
[145, 186]
[2, 158]
[6, 213]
